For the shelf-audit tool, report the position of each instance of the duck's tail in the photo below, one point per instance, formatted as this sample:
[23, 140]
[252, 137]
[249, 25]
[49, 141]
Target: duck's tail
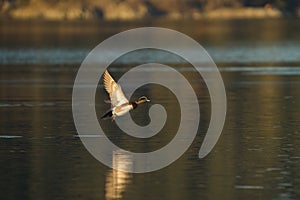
[108, 114]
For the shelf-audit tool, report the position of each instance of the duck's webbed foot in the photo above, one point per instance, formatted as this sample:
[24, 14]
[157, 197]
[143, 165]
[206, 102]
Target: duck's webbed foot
[107, 101]
[113, 118]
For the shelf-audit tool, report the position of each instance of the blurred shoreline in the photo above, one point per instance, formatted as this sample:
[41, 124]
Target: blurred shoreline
[133, 11]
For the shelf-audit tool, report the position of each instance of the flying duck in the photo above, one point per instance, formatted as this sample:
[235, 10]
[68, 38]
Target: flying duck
[119, 103]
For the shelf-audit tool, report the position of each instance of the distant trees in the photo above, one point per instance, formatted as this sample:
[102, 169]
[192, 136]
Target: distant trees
[213, 4]
[152, 7]
[284, 5]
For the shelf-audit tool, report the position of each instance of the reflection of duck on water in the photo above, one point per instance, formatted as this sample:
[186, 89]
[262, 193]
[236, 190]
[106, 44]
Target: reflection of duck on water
[119, 103]
[117, 180]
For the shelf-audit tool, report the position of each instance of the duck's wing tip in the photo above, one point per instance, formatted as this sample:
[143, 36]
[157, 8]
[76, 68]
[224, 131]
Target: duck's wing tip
[108, 82]
[114, 90]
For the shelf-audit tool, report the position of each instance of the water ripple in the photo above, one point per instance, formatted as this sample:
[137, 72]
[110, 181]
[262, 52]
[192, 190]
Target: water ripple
[242, 54]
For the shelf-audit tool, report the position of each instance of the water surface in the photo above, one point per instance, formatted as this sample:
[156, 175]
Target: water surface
[256, 157]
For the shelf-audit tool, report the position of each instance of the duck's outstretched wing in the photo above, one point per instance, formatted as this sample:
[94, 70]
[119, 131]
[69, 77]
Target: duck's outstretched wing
[114, 90]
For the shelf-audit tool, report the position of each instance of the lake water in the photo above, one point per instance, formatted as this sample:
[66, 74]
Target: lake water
[256, 157]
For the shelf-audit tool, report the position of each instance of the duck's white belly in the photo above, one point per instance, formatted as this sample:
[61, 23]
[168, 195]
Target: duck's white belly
[122, 110]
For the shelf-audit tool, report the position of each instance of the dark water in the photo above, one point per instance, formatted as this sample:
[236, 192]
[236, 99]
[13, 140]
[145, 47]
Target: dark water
[256, 157]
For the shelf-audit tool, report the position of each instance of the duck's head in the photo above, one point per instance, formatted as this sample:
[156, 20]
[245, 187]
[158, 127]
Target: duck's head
[142, 99]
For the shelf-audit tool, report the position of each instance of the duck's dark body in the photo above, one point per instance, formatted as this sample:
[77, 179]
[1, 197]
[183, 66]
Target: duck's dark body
[120, 109]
